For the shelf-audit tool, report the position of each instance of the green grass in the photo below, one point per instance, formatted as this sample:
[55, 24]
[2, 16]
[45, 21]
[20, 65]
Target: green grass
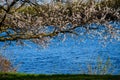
[18, 76]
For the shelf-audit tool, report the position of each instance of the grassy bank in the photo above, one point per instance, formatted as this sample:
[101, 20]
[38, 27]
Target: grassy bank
[17, 76]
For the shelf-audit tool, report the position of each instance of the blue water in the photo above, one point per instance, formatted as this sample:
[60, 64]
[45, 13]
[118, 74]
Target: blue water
[71, 56]
[68, 57]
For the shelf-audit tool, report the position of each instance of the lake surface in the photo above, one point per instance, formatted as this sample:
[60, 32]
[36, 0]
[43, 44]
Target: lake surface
[69, 57]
